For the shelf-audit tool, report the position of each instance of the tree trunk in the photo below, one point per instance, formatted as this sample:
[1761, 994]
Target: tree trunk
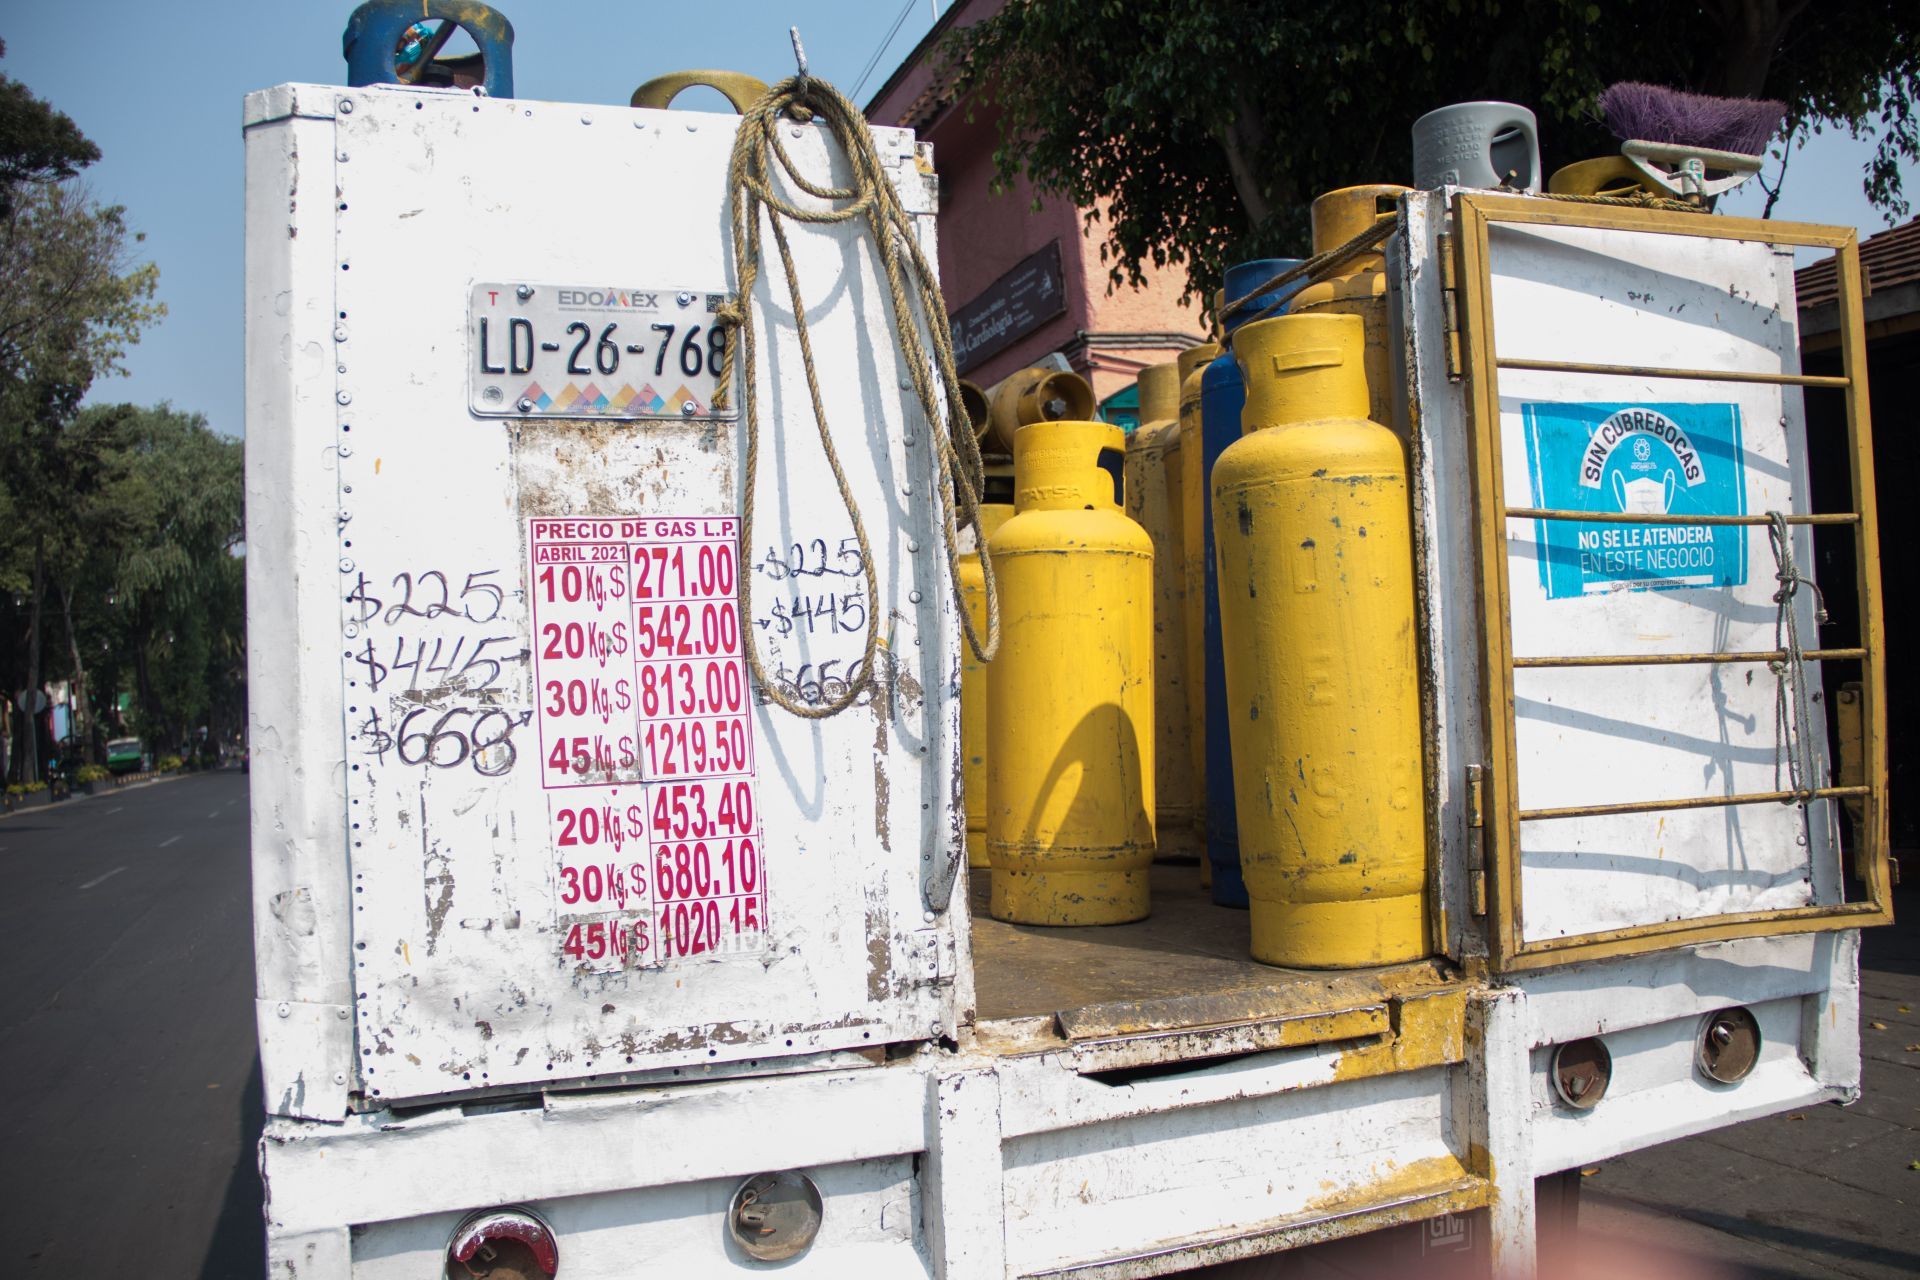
[143, 688]
[1241, 137]
[82, 716]
[1753, 31]
[30, 765]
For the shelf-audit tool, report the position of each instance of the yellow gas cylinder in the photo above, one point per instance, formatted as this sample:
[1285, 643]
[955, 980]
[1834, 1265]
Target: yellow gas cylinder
[1316, 603]
[1070, 705]
[979, 414]
[1034, 395]
[1153, 500]
[1360, 287]
[1613, 176]
[1193, 551]
[996, 508]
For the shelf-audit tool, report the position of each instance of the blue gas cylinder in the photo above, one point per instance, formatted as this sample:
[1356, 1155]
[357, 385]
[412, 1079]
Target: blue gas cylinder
[399, 42]
[1222, 396]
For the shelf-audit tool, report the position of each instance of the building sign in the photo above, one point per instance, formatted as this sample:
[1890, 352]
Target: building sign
[1656, 459]
[1010, 308]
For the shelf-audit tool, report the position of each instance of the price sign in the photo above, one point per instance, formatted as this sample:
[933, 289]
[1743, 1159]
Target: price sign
[646, 742]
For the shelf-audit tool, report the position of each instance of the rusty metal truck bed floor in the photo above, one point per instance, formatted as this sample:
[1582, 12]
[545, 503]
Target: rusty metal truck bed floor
[1188, 960]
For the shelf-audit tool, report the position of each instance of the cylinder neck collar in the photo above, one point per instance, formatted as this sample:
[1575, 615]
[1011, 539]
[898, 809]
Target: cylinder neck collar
[1303, 368]
[1339, 216]
[1069, 466]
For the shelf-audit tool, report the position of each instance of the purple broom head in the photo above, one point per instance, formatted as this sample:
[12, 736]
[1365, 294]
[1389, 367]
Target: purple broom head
[1655, 113]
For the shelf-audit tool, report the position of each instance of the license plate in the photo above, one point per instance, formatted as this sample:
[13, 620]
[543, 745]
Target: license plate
[593, 351]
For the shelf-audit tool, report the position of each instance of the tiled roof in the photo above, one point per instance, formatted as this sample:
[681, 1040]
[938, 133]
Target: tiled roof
[1887, 259]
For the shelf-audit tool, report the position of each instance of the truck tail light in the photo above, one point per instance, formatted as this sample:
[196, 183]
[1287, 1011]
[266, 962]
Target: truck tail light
[503, 1244]
[1582, 1070]
[1729, 1045]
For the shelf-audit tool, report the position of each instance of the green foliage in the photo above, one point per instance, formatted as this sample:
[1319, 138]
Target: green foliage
[117, 524]
[37, 143]
[142, 560]
[163, 533]
[73, 305]
[168, 763]
[1197, 133]
[88, 774]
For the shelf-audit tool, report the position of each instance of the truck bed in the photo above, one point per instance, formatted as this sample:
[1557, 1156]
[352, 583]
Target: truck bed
[1186, 966]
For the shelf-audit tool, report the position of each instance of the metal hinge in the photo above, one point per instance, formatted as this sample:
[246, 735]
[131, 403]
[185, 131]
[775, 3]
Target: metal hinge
[934, 955]
[1477, 828]
[1450, 307]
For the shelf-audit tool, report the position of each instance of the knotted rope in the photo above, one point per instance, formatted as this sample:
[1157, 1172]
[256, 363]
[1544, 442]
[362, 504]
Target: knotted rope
[1792, 710]
[1638, 200]
[869, 196]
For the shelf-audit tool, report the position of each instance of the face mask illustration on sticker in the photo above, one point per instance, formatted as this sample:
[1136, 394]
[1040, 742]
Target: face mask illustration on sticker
[1647, 497]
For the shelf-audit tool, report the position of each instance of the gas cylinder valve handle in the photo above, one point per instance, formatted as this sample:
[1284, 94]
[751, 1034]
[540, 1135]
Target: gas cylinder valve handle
[916, 300]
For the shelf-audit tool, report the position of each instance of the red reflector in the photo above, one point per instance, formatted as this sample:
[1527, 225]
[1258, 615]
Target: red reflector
[506, 1224]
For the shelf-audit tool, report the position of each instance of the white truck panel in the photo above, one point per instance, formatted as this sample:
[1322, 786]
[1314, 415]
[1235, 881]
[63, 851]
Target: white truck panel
[410, 523]
[302, 932]
[673, 1231]
[1600, 735]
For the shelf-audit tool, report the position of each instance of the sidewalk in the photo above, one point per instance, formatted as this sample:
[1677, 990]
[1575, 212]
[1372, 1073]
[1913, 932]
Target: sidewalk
[1824, 1192]
[40, 801]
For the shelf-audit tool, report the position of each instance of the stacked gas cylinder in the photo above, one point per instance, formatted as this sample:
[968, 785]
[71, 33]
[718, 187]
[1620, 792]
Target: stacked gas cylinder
[1208, 629]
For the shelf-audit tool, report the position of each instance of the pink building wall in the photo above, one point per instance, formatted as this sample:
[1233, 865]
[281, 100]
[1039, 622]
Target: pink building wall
[1107, 334]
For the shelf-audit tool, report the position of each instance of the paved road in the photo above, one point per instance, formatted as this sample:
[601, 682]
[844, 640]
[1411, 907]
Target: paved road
[126, 1035]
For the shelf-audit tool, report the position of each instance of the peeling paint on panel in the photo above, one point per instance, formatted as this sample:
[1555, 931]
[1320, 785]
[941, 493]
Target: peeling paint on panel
[436, 878]
[293, 908]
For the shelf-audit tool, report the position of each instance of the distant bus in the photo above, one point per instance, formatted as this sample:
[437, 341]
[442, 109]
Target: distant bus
[123, 755]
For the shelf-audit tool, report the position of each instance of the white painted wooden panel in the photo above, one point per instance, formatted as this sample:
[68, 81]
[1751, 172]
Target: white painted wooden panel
[869, 1229]
[1599, 735]
[461, 977]
[1657, 1094]
[303, 968]
[1602, 997]
[1104, 1190]
[381, 1167]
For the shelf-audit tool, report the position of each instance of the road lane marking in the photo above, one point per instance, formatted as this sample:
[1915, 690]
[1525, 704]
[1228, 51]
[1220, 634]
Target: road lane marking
[214, 814]
[117, 808]
[102, 879]
[169, 840]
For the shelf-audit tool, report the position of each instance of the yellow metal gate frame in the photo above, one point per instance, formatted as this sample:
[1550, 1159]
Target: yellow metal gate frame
[1473, 214]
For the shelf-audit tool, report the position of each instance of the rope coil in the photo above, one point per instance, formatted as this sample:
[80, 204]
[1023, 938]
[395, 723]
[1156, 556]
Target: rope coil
[869, 196]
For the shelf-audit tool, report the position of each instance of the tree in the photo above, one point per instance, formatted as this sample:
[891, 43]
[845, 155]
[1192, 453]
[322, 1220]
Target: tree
[37, 143]
[176, 582]
[73, 305]
[1198, 133]
[143, 580]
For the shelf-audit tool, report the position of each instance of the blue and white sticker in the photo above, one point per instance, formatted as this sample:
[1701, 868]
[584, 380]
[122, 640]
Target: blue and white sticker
[1654, 459]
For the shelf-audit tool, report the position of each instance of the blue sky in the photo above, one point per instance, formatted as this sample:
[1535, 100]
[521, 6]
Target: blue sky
[158, 87]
